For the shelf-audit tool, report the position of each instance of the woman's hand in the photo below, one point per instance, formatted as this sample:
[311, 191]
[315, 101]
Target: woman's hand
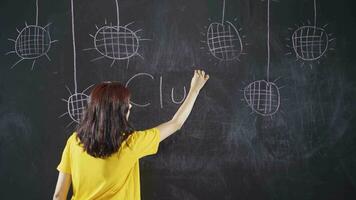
[168, 128]
[198, 81]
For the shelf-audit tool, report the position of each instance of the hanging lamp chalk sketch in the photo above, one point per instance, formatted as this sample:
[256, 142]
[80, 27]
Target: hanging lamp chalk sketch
[32, 42]
[310, 42]
[223, 40]
[116, 42]
[77, 101]
[263, 96]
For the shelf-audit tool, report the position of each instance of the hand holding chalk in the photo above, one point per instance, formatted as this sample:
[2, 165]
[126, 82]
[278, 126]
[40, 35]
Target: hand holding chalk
[198, 81]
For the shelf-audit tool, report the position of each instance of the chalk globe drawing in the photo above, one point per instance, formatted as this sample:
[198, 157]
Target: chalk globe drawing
[310, 42]
[76, 104]
[116, 42]
[77, 101]
[262, 97]
[32, 42]
[224, 41]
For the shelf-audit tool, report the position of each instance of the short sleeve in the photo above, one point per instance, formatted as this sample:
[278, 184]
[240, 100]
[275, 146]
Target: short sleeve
[64, 165]
[144, 143]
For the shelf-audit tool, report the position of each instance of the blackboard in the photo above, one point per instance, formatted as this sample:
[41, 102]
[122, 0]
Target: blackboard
[226, 150]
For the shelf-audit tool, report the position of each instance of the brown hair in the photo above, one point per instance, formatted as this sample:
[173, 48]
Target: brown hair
[104, 125]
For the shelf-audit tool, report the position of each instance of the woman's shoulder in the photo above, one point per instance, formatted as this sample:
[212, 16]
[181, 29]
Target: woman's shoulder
[142, 136]
[73, 138]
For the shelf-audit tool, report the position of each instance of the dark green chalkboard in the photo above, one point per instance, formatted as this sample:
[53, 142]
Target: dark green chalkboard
[305, 151]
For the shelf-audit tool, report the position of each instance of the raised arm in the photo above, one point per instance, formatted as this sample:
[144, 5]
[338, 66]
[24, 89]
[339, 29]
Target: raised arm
[168, 128]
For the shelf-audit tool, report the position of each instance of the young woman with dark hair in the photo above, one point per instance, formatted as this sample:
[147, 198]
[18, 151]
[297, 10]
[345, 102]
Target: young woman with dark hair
[101, 158]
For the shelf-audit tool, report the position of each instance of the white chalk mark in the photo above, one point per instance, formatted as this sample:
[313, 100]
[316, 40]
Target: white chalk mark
[33, 64]
[98, 58]
[16, 63]
[62, 115]
[49, 59]
[70, 92]
[133, 77]
[268, 40]
[182, 99]
[117, 14]
[47, 25]
[113, 61]
[70, 124]
[223, 13]
[130, 24]
[74, 49]
[88, 49]
[160, 92]
[127, 63]
[136, 30]
[139, 55]
[10, 52]
[314, 13]
[11, 40]
[36, 12]
[88, 88]
[144, 39]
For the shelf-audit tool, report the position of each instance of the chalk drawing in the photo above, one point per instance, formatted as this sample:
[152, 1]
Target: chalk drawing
[263, 96]
[310, 42]
[160, 91]
[223, 40]
[77, 101]
[127, 85]
[116, 42]
[140, 75]
[32, 42]
[182, 99]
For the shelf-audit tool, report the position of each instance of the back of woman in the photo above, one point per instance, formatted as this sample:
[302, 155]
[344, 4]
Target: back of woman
[115, 177]
[101, 159]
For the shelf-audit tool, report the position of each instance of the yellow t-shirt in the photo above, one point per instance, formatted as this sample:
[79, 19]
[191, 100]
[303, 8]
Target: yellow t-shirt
[116, 177]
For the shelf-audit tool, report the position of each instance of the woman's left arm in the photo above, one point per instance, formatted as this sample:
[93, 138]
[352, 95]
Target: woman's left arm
[62, 187]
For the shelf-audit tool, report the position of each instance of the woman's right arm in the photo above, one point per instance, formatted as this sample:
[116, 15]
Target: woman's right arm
[168, 128]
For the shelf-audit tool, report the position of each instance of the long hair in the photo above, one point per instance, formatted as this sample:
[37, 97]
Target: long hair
[104, 125]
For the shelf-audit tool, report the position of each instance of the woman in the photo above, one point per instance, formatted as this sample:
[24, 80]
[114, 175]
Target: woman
[101, 158]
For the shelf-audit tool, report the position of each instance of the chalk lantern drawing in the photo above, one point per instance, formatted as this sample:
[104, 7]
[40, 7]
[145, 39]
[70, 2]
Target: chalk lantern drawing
[77, 101]
[310, 42]
[223, 40]
[32, 42]
[262, 96]
[116, 42]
